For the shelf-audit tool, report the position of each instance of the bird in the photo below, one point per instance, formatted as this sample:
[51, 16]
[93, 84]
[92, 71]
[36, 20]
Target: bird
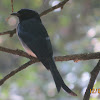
[36, 42]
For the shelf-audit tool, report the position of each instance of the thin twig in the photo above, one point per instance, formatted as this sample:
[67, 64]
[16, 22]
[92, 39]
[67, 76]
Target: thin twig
[12, 73]
[94, 74]
[61, 4]
[12, 5]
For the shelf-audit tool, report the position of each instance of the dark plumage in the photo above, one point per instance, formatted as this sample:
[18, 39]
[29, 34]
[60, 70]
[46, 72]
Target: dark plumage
[35, 39]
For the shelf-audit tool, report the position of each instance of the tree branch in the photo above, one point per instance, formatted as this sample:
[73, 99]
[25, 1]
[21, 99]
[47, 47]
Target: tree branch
[94, 74]
[61, 4]
[74, 57]
[86, 56]
[59, 58]
[12, 73]
[11, 32]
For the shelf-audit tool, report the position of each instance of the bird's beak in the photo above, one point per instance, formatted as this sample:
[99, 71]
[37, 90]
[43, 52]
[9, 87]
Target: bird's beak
[15, 14]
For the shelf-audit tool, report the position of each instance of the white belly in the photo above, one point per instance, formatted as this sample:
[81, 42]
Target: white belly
[29, 51]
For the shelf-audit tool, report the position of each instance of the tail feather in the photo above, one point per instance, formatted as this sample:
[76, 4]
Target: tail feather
[56, 79]
[50, 64]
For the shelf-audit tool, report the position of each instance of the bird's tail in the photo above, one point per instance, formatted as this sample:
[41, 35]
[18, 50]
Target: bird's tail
[50, 64]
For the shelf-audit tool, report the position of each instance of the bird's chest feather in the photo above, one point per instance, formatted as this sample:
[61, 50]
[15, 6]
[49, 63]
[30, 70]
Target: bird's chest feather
[34, 38]
[27, 49]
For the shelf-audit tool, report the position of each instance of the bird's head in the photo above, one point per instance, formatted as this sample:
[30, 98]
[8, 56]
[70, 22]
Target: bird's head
[25, 14]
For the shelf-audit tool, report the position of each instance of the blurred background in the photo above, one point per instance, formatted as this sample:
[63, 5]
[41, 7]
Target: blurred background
[73, 30]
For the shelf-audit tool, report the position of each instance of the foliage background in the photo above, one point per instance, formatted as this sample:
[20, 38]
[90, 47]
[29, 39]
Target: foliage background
[75, 29]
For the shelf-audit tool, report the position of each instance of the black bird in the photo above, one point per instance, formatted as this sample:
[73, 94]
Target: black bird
[36, 42]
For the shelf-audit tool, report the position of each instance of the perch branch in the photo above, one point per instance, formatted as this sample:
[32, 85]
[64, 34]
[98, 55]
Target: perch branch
[94, 74]
[86, 56]
[15, 52]
[59, 58]
[61, 4]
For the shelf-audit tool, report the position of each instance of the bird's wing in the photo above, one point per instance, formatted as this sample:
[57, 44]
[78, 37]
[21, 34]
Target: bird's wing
[35, 36]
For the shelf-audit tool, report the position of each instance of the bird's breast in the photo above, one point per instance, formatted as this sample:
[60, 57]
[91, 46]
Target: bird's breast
[29, 51]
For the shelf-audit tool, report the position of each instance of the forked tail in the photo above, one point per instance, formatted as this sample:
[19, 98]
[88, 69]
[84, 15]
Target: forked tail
[50, 64]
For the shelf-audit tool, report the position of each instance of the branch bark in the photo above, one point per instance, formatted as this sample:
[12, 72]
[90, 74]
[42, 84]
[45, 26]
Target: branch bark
[61, 4]
[86, 56]
[94, 74]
